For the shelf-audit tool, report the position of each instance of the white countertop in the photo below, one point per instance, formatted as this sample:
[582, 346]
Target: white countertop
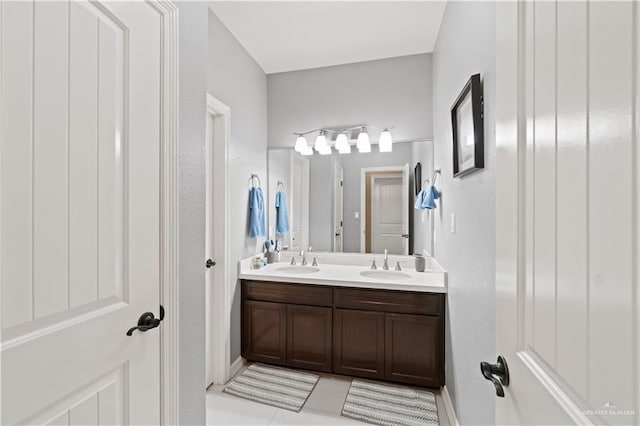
[434, 281]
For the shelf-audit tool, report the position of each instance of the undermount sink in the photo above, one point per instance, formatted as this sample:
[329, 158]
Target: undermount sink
[297, 269]
[385, 275]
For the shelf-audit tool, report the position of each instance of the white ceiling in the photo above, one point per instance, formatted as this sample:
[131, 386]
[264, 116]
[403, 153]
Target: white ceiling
[293, 35]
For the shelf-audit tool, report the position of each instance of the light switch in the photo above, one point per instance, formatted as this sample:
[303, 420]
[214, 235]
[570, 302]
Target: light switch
[356, 215]
[453, 223]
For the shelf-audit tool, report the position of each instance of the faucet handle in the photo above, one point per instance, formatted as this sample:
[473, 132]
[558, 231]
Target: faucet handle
[315, 261]
[398, 268]
[373, 264]
[293, 260]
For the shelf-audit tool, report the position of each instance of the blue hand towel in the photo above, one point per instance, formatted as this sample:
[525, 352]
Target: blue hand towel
[282, 216]
[256, 207]
[420, 200]
[432, 195]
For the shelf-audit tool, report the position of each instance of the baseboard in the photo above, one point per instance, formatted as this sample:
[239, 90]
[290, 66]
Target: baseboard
[448, 407]
[236, 366]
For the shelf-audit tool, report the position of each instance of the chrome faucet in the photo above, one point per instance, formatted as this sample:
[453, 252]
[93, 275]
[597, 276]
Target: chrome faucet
[315, 261]
[293, 260]
[373, 265]
[304, 258]
[398, 268]
[385, 266]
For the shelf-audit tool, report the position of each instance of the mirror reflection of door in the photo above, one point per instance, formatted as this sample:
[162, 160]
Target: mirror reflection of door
[338, 210]
[386, 215]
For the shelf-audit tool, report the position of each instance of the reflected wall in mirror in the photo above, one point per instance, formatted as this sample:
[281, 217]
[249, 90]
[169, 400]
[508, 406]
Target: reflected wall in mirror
[357, 202]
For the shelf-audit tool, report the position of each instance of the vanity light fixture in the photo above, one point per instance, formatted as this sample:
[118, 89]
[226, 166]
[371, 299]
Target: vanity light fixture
[346, 149]
[342, 142]
[364, 145]
[301, 144]
[385, 143]
[342, 135]
[321, 142]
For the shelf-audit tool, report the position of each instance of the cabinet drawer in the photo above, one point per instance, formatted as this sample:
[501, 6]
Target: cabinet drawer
[301, 294]
[389, 301]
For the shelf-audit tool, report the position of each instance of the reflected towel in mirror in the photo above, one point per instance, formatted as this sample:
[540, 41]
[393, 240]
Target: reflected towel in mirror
[282, 216]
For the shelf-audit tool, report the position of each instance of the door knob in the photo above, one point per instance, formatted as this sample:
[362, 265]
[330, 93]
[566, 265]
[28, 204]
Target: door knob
[210, 263]
[147, 321]
[497, 373]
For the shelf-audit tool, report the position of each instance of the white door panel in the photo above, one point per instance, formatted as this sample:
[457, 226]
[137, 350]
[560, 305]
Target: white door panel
[566, 182]
[387, 215]
[79, 242]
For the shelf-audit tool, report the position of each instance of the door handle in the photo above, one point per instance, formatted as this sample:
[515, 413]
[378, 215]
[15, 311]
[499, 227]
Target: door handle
[147, 321]
[405, 235]
[210, 263]
[497, 373]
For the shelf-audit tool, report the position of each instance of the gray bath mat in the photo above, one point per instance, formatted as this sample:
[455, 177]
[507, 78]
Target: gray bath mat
[390, 405]
[278, 387]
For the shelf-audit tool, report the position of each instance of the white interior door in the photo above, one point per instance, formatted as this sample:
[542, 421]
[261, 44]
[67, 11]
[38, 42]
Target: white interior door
[79, 240]
[567, 211]
[299, 207]
[338, 209]
[386, 215]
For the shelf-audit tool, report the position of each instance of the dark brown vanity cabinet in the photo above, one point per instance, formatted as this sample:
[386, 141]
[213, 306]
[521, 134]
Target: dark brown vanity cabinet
[378, 334]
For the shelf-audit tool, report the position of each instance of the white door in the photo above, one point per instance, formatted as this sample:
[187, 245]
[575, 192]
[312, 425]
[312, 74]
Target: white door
[79, 241]
[338, 209]
[567, 212]
[386, 214]
[299, 207]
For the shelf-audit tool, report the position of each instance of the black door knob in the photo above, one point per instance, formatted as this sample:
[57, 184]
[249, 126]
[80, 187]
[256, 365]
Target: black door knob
[210, 263]
[147, 321]
[497, 373]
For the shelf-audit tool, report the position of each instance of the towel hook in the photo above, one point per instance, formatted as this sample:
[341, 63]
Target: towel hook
[436, 172]
[251, 179]
[280, 185]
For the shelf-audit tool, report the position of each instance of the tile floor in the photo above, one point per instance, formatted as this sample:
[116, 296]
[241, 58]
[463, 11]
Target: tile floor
[321, 409]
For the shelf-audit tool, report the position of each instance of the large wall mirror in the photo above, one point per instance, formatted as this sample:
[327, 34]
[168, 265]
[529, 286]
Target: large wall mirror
[356, 202]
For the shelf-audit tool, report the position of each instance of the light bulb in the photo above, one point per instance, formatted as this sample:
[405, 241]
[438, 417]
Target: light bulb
[326, 150]
[346, 149]
[385, 143]
[363, 140]
[301, 143]
[341, 141]
[321, 142]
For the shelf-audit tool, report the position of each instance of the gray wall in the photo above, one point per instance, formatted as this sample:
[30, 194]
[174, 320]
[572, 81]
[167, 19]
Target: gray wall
[321, 190]
[192, 174]
[237, 80]
[387, 92]
[466, 45]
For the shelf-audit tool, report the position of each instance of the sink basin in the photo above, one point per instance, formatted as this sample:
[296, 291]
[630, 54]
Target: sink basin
[385, 275]
[297, 269]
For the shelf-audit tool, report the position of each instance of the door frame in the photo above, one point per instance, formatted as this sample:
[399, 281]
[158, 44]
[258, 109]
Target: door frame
[218, 309]
[169, 208]
[363, 198]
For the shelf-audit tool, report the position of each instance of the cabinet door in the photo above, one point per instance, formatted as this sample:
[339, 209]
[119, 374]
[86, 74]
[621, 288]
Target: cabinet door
[309, 337]
[264, 331]
[358, 343]
[414, 349]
